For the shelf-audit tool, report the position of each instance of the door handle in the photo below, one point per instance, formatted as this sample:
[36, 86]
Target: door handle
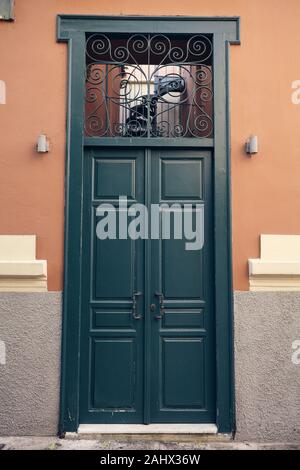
[161, 305]
[135, 314]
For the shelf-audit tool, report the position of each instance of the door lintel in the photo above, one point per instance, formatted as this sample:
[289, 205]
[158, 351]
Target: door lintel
[68, 25]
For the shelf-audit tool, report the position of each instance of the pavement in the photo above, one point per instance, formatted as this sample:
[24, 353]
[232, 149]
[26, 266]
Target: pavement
[135, 443]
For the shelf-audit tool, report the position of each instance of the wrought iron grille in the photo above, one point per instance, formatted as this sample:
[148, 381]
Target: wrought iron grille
[146, 85]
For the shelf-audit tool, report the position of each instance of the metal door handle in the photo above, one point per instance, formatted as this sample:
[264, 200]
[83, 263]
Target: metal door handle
[135, 314]
[161, 305]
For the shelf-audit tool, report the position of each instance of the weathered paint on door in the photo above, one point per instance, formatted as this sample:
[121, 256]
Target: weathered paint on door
[148, 357]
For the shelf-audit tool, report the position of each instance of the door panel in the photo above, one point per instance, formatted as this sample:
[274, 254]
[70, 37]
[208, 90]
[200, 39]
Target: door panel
[183, 373]
[114, 177]
[192, 318]
[113, 358]
[186, 282]
[174, 177]
[109, 282]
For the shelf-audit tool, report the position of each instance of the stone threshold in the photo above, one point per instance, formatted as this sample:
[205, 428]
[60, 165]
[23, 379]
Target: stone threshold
[90, 429]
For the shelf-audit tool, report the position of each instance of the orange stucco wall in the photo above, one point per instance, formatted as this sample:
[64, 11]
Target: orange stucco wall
[265, 188]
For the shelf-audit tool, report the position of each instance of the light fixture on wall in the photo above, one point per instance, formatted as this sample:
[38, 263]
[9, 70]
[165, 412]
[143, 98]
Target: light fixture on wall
[252, 145]
[7, 10]
[42, 144]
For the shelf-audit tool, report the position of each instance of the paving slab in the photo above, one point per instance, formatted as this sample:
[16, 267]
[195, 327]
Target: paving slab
[125, 443]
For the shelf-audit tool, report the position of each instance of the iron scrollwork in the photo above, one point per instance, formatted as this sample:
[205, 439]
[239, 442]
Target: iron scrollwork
[149, 86]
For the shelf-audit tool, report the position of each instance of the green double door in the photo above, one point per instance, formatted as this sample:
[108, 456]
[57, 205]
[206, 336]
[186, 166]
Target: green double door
[147, 351]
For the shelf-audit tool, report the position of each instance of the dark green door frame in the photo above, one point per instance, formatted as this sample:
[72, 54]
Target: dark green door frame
[72, 29]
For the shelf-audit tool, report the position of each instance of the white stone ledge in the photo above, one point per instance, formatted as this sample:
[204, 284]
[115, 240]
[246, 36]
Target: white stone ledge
[275, 283]
[263, 267]
[32, 268]
[278, 268]
[20, 271]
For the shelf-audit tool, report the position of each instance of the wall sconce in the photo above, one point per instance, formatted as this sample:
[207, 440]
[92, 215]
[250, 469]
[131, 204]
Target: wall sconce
[252, 145]
[42, 144]
[7, 10]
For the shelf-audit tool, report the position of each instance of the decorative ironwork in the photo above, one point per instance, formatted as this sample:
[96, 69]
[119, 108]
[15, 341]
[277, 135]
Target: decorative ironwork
[149, 86]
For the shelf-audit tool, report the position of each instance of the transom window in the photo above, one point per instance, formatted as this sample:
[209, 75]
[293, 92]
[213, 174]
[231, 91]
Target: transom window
[144, 85]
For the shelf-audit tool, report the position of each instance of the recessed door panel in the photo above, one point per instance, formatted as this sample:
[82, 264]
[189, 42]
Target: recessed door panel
[181, 179]
[114, 378]
[114, 177]
[114, 268]
[183, 373]
[189, 318]
[182, 270]
[106, 318]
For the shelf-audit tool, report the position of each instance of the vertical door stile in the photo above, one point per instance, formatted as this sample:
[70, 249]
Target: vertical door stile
[148, 254]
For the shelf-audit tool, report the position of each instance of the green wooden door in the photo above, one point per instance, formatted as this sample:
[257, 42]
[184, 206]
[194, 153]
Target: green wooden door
[182, 341]
[111, 372]
[147, 349]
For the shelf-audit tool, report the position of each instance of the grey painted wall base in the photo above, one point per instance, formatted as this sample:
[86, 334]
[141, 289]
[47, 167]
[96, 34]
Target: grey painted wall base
[267, 382]
[30, 327]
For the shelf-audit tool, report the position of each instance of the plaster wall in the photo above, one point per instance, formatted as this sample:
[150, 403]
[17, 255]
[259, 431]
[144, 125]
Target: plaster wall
[30, 330]
[265, 188]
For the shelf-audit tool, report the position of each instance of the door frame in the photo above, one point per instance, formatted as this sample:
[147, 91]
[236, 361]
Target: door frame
[225, 31]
